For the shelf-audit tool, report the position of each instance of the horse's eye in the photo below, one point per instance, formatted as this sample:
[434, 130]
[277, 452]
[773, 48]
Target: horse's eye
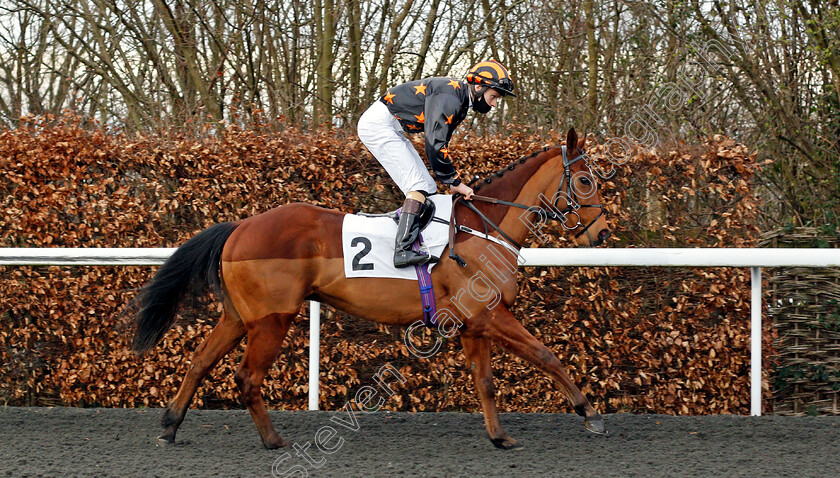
[585, 181]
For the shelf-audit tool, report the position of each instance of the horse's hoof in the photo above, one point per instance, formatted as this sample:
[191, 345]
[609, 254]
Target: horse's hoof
[505, 443]
[275, 443]
[596, 425]
[164, 442]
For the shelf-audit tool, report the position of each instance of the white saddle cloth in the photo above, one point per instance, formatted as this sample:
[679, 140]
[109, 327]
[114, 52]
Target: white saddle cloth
[368, 242]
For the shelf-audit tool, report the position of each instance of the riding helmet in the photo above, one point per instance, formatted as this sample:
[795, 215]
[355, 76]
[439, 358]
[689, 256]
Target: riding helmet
[493, 74]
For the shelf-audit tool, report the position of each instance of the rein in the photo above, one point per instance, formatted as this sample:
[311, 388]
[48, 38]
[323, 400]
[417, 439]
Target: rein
[572, 205]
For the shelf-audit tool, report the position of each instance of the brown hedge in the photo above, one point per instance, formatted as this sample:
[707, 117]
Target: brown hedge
[634, 339]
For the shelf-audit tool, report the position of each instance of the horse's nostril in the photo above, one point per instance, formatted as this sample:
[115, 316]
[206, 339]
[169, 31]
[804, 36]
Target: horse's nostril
[604, 234]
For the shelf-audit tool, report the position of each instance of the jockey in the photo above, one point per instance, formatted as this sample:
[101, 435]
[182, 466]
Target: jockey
[435, 106]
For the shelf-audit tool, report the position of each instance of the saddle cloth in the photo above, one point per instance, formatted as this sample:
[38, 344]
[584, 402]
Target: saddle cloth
[368, 242]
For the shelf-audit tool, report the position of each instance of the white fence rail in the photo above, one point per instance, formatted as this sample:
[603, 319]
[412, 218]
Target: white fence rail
[755, 259]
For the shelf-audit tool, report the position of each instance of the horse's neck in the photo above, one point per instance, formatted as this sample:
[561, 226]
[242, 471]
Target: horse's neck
[531, 181]
[533, 193]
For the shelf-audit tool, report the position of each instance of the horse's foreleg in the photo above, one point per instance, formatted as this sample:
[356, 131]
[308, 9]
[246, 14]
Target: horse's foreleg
[265, 337]
[503, 328]
[227, 333]
[477, 351]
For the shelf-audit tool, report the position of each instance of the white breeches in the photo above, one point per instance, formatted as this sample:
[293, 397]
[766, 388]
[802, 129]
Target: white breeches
[384, 137]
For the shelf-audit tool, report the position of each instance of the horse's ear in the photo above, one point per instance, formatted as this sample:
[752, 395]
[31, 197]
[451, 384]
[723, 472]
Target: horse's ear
[571, 140]
[582, 142]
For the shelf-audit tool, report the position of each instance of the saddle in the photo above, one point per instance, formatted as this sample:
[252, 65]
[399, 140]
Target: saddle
[427, 213]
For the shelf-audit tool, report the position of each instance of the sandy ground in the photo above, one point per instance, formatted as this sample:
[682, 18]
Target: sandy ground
[120, 442]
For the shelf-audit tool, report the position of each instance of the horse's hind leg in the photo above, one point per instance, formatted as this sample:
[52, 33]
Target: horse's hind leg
[265, 337]
[227, 333]
[477, 352]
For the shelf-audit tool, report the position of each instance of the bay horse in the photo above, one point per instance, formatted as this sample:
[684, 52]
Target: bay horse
[264, 268]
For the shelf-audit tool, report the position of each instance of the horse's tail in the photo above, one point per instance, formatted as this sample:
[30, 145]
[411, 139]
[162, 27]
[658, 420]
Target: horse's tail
[193, 269]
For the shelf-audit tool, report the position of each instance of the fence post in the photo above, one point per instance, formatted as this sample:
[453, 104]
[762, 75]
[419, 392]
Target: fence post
[755, 342]
[314, 352]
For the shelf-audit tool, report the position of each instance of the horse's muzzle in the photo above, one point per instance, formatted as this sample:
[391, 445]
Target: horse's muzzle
[603, 235]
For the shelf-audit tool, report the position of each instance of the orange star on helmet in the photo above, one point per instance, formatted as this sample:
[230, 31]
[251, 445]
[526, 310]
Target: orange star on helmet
[389, 98]
[421, 88]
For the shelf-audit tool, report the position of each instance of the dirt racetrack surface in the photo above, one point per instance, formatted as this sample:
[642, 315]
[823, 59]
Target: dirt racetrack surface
[121, 442]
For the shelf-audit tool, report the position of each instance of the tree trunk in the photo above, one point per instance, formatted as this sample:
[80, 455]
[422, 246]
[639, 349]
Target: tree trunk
[592, 119]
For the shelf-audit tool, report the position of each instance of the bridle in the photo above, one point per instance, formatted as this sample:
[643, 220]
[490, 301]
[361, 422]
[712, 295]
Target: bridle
[572, 205]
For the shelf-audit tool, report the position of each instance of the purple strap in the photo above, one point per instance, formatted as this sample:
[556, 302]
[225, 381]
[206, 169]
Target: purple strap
[427, 291]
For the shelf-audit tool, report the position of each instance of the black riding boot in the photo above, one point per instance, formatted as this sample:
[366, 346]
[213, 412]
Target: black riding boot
[408, 231]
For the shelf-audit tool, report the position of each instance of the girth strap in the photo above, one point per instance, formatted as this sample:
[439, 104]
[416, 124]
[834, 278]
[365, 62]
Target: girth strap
[424, 280]
[427, 290]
